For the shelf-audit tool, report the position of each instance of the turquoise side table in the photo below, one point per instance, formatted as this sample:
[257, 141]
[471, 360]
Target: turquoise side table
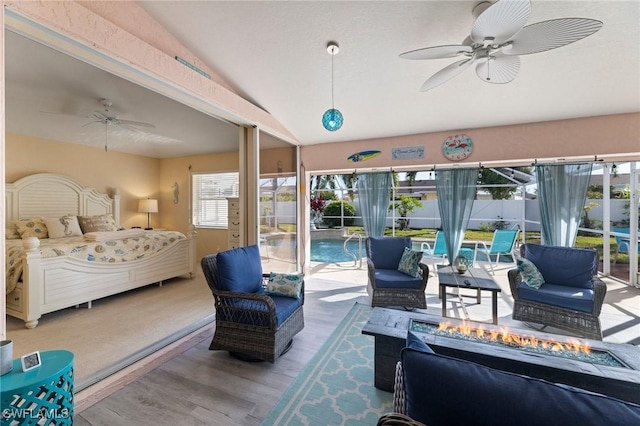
[42, 396]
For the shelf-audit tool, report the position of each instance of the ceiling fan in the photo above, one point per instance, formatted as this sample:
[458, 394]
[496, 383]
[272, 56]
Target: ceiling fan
[108, 119]
[497, 37]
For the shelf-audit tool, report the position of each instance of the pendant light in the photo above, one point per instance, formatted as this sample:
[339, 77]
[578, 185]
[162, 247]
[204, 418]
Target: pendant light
[332, 118]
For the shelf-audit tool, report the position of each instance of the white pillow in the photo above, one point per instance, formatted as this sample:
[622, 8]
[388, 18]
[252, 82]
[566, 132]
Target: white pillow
[65, 226]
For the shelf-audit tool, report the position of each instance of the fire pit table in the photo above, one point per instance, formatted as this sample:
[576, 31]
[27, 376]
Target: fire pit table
[618, 377]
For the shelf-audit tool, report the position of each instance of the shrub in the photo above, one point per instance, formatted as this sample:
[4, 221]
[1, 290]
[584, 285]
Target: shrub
[334, 211]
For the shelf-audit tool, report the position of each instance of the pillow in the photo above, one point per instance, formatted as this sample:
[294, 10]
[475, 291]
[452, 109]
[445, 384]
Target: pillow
[65, 226]
[288, 285]
[409, 262]
[11, 232]
[414, 342]
[531, 276]
[31, 228]
[97, 223]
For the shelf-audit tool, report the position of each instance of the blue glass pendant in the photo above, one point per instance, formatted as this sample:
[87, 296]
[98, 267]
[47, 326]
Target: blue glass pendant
[332, 120]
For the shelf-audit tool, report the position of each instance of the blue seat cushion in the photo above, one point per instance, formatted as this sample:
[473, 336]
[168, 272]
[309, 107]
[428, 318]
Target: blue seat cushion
[392, 278]
[445, 391]
[566, 266]
[240, 270]
[246, 312]
[386, 252]
[579, 299]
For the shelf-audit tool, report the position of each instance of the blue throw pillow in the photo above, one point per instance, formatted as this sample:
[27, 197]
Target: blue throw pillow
[414, 342]
[409, 262]
[531, 276]
[288, 285]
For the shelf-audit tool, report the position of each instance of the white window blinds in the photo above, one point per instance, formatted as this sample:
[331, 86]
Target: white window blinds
[210, 193]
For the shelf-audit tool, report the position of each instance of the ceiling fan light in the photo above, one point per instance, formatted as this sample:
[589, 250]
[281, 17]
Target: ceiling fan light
[332, 119]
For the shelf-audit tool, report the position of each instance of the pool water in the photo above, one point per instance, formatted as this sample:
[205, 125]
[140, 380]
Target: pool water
[332, 251]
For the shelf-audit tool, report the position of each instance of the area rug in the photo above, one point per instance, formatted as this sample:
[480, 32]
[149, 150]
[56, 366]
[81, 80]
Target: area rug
[336, 387]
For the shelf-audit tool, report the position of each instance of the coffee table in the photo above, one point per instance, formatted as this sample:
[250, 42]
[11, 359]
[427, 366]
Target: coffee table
[476, 279]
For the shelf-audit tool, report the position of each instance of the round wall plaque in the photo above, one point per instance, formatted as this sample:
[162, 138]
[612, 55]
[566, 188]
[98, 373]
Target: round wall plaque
[457, 147]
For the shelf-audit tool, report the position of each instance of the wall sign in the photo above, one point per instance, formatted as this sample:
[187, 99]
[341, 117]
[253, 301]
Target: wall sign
[407, 153]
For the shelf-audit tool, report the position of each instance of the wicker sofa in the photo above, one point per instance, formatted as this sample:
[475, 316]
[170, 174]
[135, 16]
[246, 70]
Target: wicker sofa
[387, 285]
[250, 323]
[571, 296]
[438, 390]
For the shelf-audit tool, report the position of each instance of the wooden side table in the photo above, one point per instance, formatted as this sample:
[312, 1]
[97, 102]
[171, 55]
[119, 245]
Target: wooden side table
[42, 396]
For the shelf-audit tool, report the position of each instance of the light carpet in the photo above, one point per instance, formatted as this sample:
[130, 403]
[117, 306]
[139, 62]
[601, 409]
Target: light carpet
[120, 329]
[336, 387]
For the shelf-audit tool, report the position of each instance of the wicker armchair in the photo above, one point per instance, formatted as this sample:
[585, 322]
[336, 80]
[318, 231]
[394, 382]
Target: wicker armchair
[387, 286]
[584, 322]
[250, 325]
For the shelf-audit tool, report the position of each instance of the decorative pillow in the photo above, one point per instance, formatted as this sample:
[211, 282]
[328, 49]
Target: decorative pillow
[97, 223]
[31, 228]
[65, 226]
[531, 276]
[409, 262]
[289, 285]
[11, 232]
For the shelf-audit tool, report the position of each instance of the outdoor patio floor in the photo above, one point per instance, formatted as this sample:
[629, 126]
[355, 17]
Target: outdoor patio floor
[620, 316]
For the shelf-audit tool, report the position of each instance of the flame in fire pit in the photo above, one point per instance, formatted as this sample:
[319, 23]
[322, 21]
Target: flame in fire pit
[506, 337]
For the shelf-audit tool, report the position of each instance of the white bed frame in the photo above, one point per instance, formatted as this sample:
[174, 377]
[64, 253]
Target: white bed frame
[51, 284]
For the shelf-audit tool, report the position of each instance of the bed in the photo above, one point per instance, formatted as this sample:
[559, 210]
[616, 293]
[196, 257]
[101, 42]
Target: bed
[55, 278]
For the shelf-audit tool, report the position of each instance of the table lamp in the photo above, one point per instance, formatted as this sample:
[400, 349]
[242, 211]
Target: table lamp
[148, 206]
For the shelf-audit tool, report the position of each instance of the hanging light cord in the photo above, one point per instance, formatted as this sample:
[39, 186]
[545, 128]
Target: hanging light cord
[332, 55]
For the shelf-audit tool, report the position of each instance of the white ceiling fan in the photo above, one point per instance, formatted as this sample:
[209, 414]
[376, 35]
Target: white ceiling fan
[497, 37]
[109, 119]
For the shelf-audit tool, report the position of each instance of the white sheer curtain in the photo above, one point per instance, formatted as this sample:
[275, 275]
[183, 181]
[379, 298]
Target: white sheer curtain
[562, 190]
[373, 192]
[456, 189]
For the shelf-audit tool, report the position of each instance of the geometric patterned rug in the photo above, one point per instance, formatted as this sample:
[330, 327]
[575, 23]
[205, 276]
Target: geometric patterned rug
[336, 387]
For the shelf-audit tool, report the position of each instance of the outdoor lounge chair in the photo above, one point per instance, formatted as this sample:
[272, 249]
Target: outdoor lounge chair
[569, 295]
[387, 285]
[438, 254]
[622, 243]
[250, 323]
[502, 244]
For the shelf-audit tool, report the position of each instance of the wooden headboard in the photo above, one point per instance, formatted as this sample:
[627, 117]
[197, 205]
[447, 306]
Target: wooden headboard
[54, 195]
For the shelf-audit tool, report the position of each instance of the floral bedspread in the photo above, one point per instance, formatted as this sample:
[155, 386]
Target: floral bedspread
[110, 251]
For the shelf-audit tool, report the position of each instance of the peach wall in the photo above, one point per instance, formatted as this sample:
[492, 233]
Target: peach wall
[177, 215]
[135, 176]
[603, 135]
[278, 160]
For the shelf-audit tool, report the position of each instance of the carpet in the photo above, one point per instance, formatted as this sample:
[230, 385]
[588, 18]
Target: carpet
[120, 329]
[336, 387]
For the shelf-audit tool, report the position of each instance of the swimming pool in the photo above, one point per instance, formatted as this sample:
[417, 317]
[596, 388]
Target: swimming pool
[332, 251]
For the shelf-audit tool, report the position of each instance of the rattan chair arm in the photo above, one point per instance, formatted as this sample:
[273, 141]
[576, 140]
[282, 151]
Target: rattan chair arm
[424, 270]
[599, 291]
[260, 298]
[371, 272]
[397, 419]
[515, 278]
[399, 394]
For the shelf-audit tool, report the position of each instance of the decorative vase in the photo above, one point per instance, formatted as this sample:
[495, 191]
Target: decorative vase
[461, 264]
[6, 356]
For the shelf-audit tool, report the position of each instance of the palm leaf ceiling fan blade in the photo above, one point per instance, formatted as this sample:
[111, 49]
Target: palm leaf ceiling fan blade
[500, 70]
[437, 52]
[446, 74]
[501, 21]
[547, 35]
[134, 123]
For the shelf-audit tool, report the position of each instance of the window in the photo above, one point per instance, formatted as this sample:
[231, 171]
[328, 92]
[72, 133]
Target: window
[210, 193]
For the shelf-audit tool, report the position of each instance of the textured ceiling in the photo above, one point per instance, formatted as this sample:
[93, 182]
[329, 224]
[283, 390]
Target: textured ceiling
[274, 55]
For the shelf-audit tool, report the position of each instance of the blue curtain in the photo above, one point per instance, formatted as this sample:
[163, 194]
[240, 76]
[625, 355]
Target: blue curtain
[562, 191]
[373, 192]
[456, 189]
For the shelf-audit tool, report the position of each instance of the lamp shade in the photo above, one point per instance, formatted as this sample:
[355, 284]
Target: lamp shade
[148, 205]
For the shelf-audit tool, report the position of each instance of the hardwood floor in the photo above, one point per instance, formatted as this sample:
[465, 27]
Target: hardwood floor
[203, 387]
